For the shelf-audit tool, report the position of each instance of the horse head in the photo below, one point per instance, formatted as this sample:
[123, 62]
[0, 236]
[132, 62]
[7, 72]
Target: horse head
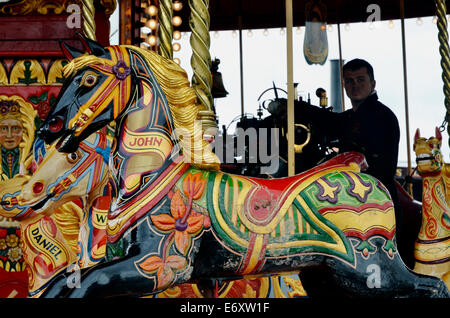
[428, 153]
[143, 92]
[60, 178]
[97, 84]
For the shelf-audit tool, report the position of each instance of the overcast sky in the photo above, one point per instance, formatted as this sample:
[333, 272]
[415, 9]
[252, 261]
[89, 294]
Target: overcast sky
[264, 61]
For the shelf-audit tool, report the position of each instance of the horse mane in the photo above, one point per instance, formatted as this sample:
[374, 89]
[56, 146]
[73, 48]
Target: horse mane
[181, 98]
[68, 219]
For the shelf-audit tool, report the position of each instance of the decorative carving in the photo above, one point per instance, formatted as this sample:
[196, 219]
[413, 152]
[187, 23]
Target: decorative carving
[47, 7]
[88, 12]
[16, 114]
[44, 7]
[3, 76]
[27, 72]
[165, 31]
[55, 75]
[432, 247]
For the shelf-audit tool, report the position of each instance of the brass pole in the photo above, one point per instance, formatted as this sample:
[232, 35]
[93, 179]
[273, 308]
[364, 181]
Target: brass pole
[441, 11]
[88, 13]
[165, 31]
[405, 83]
[201, 62]
[341, 76]
[290, 86]
[241, 62]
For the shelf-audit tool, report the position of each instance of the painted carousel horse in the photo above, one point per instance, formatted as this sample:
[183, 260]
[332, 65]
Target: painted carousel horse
[175, 218]
[432, 247]
[91, 238]
[75, 229]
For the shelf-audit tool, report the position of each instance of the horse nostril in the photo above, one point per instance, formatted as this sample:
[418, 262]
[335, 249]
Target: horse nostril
[55, 124]
[38, 187]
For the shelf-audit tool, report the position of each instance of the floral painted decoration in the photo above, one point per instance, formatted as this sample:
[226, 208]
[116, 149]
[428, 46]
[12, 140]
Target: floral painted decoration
[121, 70]
[181, 225]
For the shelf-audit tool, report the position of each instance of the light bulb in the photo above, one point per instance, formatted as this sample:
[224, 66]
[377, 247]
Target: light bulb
[177, 60]
[330, 28]
[234, 34]
[391, 24]
[176, 21]
[176, 35]
[282, 32]
[249, 33]
[347, 27]
[152, 24]
[266, 32]
[176, 47]
[151, 40]
[299, 30]
[419, 21]
[177, 6]
[152, 10]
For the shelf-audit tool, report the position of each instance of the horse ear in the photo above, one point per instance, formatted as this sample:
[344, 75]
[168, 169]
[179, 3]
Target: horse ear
[417, 134]
[438, 134]
[90, 46]
[69, 52]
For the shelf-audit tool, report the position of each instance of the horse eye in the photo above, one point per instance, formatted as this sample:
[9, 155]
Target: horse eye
[55, 124]
[89, 79]
[72, 157]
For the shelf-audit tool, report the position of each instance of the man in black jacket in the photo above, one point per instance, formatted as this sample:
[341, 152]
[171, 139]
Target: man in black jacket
[369, 127]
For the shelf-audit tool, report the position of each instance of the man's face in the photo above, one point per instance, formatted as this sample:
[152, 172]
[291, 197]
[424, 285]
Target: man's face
[358, 84]
[11, 131]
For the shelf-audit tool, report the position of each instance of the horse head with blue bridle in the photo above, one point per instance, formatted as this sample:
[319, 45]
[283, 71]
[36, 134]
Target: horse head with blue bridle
[176, 218]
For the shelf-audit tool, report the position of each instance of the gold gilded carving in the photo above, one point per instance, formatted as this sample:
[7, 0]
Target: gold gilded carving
[43, 7]
[88, 19]
[27, 72]
[55, 74]
[295, 285]
[165, 31]
[15, 108]
[109, 5]
[16, 137]
[3, 76]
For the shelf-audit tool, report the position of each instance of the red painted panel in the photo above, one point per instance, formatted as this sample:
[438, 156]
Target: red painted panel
[35, 28]
[13, 284]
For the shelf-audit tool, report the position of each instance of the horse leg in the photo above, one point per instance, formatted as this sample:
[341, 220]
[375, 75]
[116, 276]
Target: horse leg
[125, 276]
[383, 274]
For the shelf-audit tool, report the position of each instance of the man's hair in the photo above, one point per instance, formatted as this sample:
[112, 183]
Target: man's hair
[356, 64]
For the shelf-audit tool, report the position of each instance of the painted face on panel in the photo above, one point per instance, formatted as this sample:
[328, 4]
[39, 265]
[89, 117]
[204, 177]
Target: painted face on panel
[11, 131]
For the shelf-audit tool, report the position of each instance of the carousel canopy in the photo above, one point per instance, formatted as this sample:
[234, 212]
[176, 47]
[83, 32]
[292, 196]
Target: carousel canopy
[257, 14]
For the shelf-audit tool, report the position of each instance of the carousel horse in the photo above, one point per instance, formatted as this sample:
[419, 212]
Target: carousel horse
[432, 247]
[91, 238]
[175, 218]
[75, 229]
